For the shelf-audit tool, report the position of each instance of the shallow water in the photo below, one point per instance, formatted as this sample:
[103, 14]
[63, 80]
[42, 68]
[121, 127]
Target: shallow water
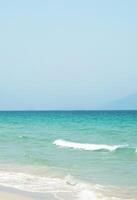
[92, 153]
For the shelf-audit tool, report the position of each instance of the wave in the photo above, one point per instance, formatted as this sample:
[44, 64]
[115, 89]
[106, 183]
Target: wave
[60, 188]
[87, 147]
[32, 183]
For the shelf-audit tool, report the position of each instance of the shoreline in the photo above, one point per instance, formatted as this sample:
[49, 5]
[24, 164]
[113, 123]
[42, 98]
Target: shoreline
[10, 193]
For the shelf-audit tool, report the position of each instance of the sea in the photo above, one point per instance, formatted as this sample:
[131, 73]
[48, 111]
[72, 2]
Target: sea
[72, 155]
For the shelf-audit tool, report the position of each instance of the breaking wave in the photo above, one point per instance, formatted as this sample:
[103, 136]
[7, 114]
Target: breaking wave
[87, 147]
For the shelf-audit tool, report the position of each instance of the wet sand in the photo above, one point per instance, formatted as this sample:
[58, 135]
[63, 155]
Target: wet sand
[13, 196]
[7, 193]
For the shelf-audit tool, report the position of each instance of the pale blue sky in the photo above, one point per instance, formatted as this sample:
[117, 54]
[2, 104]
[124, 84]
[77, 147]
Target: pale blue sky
[71, 54]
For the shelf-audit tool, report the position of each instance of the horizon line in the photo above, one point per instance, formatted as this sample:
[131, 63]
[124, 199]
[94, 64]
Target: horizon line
[66, 110]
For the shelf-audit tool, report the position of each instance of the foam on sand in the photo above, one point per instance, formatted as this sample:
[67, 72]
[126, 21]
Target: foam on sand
[64, 188]
[60, 188]
[85, 146]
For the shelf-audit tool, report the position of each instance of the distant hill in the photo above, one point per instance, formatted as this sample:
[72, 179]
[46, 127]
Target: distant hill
[127, 103]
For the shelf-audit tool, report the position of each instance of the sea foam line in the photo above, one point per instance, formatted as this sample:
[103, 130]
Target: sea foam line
[54, 186]
[85, 146]
[61, 188]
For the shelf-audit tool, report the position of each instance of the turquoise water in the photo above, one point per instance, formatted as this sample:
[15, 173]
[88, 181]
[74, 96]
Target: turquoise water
[60, 143]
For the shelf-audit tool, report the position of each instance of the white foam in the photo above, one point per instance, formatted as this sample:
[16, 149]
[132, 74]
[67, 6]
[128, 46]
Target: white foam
[32, 183]
[61, 188]
[88, 195]
[84, 146]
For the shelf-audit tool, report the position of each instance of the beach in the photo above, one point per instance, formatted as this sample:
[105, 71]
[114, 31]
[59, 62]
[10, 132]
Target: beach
[7, 193]
[12, 196]
[75, 155]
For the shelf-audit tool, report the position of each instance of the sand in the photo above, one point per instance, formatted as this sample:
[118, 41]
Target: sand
[7, 193]
[13, 196]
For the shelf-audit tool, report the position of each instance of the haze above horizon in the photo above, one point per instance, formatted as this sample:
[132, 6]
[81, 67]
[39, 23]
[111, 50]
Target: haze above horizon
[68, 55]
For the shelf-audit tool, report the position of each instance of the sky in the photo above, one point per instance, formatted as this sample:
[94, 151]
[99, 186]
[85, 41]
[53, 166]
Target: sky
[67, 54]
